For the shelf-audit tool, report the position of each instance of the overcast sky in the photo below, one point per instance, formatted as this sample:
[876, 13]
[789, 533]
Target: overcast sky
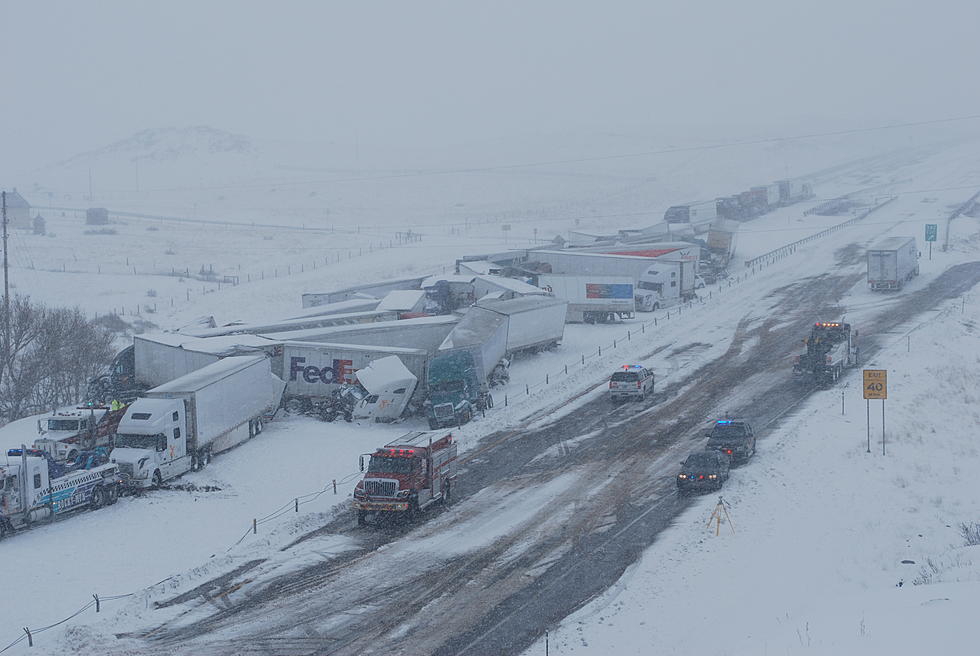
[81, 74]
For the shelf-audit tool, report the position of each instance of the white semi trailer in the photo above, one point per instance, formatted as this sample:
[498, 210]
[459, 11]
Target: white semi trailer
[176, 427]
[892, 262]
[592, 299]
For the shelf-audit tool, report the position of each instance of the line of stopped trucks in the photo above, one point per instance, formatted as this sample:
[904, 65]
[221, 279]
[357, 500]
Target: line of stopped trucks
[208, 397]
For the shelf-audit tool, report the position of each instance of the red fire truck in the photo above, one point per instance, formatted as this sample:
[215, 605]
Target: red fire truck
[407, 475]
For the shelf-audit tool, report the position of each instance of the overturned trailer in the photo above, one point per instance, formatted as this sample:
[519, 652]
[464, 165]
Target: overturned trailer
[424, 333]
[301, 323]
[374, 289]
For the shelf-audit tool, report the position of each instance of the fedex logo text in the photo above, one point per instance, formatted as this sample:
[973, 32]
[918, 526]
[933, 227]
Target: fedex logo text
[338, 374]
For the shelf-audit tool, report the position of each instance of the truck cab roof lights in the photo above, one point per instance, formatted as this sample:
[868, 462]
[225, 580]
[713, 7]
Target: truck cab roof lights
[724, 421]
[632, 366]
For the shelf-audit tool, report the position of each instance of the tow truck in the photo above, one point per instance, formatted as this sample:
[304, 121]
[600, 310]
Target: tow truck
[66, 432]
[34, 487]
[407, 475]
[830, 348]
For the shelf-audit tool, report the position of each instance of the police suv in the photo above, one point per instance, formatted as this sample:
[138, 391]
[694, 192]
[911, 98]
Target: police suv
[633, 382]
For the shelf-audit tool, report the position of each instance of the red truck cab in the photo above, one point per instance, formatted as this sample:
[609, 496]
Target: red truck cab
[407, 475]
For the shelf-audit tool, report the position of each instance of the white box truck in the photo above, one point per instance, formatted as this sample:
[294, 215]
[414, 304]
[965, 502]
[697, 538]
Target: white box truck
[664, 284]
[892, 262]
[592, 299]
[178, 426]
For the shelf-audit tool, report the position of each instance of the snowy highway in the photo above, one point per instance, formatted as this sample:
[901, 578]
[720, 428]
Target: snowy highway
[546, 518]
[560, 493]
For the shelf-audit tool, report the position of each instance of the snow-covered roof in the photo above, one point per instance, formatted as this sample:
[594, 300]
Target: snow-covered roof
[398, 350]
[402, 299]
[16, 201]
[521, 304]
[207, 375]
[460, 279]
[890, 243]
[512, 284]
[328, 320]
[314, 334]
[350, 305]
[476, 328]
[218, 345]
[384, 373]
[478, 267]
[532, 254]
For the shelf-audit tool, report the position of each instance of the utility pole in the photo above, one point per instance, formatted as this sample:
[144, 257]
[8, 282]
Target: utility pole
[6, 289]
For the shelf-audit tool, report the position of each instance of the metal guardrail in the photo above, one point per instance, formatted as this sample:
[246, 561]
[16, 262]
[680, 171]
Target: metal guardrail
[789, 249]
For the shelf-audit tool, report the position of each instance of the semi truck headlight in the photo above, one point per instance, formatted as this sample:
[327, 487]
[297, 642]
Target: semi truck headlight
[403, 493]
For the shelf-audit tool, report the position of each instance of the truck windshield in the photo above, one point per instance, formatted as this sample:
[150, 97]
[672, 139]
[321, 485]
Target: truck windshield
[390, 465]
[448, 386]
[132, 441]
[62, 424]
[652, 286]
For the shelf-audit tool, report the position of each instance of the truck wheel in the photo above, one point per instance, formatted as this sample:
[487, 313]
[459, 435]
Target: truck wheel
[195, 462]
[98, 497]
[72, 456]
[413, 512]
[157, 479]
[447, 495]
[3, 529]
[361, 517]
[204, 457]
[112, 495]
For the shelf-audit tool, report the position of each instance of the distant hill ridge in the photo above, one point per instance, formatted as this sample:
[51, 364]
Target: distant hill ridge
[170, 143]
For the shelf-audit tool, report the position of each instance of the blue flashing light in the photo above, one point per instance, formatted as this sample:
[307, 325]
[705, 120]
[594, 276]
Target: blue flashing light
[724, 421]
[632, 366]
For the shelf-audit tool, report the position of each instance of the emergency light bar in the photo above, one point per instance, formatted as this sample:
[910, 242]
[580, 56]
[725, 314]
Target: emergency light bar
[20, 452]
[399, 452]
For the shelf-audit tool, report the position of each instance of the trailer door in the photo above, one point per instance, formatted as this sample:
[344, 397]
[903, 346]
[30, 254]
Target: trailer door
[877, 265]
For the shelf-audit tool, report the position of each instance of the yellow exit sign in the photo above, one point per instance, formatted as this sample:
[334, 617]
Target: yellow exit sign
[875, 384]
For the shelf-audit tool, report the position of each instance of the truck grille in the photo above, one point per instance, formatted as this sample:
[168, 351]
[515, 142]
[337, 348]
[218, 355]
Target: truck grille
[443, 410]
[381, 488]
[125, 468]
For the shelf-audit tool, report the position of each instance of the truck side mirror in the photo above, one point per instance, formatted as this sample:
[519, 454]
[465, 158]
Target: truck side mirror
[361, 460]
[856, 334]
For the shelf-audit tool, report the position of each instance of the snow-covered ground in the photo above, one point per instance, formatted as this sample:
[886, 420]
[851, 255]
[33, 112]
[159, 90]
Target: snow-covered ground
[830, 549]
[192, 534]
